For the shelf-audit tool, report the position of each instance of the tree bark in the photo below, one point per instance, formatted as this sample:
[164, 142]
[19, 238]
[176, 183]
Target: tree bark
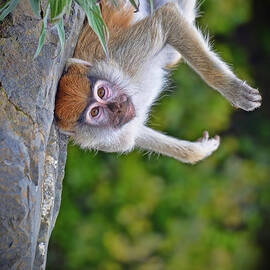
[32, 151]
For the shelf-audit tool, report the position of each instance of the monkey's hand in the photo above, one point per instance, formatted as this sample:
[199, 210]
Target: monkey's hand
[241, 95]
[204, 147]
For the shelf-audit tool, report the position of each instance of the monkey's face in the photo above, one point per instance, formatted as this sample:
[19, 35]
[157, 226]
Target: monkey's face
[108, 106]
[97, 112]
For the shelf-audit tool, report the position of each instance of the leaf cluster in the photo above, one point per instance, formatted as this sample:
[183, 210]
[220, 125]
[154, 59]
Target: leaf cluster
[56, 10]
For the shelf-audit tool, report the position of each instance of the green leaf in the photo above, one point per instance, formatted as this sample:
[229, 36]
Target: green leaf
[35, 5]
[57, 8]
[42, 36]
[99, 28]
[7, 8]
[135, 5]
[68, 7]
[151, 6]
[61, 33]
[93, 13]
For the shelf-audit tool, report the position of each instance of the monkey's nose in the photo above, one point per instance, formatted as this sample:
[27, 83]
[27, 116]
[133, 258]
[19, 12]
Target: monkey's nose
[115, 107]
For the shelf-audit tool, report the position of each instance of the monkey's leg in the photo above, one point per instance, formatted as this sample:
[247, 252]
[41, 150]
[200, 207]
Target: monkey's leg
[185, 151]
[188, 41]
[168, 25]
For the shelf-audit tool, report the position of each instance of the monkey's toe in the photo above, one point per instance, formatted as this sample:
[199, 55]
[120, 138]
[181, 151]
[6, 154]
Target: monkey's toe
[248, 98]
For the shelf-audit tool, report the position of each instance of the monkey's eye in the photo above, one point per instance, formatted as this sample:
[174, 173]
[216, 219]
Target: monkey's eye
[101, 92]
[94, 112]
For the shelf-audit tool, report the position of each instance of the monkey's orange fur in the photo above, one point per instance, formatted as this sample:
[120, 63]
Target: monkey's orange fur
[71, 102]
[116, 19]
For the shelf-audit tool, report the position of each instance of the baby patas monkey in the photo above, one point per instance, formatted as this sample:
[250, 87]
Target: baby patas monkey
[103, 101]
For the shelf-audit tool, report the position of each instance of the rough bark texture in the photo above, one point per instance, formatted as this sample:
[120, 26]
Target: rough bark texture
[32, 152]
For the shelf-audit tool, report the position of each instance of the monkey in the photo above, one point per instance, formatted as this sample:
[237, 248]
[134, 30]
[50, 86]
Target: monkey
[103, 101]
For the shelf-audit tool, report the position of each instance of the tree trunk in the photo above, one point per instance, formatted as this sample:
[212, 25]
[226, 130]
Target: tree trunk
[32, 152]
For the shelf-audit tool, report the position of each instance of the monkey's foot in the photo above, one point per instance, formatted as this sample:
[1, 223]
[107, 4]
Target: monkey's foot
[204, 147]
[245, 97]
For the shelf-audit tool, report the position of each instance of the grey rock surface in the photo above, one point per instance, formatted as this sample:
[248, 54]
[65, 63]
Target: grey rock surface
[32, 151]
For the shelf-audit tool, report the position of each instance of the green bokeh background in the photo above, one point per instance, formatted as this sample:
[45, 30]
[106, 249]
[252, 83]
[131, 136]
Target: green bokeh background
[141, 212]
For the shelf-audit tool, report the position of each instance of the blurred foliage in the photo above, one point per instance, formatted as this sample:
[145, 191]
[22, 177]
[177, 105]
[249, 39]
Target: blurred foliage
[152, 213]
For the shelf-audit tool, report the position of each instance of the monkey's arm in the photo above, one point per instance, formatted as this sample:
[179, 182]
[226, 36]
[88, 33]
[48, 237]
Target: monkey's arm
[185, 151]
[167, 25]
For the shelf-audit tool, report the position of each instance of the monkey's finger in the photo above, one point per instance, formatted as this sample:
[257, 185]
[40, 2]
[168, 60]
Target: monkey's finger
[217, 137]
[252, 90]
[204, 137]
[253, 97]
[249, 105]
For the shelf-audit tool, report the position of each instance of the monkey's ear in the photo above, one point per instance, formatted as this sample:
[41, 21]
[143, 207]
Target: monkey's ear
[79, 62]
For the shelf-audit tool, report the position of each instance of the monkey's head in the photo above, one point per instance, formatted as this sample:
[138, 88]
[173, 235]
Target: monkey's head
[97, 111]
